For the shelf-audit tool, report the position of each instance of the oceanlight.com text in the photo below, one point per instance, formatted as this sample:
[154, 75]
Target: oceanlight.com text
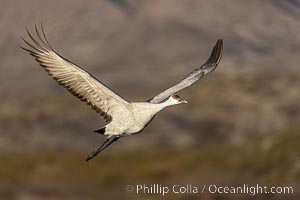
[251, 190]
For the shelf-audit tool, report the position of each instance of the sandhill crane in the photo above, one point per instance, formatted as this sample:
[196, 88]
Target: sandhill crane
[123, 117]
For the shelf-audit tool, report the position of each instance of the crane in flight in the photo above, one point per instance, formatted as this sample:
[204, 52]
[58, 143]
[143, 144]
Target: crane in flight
[123, 117]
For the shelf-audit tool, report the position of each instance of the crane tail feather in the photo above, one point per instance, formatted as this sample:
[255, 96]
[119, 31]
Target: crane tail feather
[100, 131]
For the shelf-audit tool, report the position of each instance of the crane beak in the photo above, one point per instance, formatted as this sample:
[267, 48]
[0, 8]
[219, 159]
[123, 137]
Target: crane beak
[184, 101]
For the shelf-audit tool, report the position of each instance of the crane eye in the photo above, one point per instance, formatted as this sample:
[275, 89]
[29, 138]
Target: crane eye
[175, 96]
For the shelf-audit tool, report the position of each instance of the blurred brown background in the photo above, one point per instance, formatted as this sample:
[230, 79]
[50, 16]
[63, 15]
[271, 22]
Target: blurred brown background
[241, 125]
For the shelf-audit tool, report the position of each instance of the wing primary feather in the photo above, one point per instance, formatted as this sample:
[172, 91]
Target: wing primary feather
[33, 47]
[39, 35]
[43, 31]
[212, 55]
[34, 40]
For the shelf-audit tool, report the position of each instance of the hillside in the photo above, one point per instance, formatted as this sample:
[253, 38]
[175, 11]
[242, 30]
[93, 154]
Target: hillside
[125, 43]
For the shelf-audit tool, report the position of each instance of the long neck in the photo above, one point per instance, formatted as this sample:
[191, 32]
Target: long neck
[164, 104]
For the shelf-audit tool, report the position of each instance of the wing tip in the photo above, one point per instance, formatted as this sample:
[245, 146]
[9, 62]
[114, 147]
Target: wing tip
[220, 50]
[216, 54]
[38, 41]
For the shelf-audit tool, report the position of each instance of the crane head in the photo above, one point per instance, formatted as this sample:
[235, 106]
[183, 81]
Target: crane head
[176, 98]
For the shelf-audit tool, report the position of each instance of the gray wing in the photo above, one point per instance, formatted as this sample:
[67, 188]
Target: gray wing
[195, 75]
[76, 80]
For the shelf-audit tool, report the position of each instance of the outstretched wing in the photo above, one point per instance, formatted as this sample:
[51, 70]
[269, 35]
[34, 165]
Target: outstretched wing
[195, 75]
[76, 80]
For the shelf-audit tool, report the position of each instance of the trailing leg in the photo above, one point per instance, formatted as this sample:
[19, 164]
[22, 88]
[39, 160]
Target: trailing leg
[105, 144]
